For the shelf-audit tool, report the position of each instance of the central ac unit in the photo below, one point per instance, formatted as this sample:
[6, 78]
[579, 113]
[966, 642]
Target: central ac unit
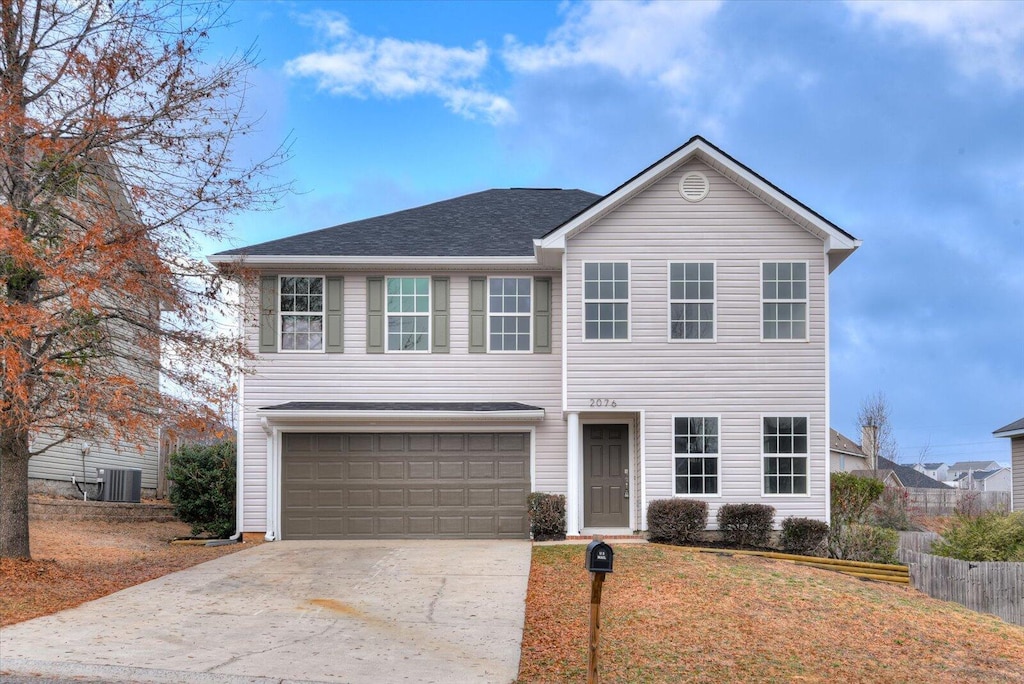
[120, 484]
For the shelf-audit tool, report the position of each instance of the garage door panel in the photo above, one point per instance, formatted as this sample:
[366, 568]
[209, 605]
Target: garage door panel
[393, 485]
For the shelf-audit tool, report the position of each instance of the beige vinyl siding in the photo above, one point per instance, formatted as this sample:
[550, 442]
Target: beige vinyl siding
[737, 377]
[533, 379]
[1017, 471]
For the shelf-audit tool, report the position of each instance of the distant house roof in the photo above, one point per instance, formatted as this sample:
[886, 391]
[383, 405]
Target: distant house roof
[932, 466]
[985, 474]
[910, 477]
[1012, 430]
[488, 223]
[974, 465]
[886, 475]
[840, 442]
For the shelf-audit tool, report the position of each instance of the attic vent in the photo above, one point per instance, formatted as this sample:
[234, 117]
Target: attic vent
[694, 186]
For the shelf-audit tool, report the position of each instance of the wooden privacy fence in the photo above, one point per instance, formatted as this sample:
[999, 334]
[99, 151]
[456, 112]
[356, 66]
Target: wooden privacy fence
[995, 588]
[944, 501]
[918, 541]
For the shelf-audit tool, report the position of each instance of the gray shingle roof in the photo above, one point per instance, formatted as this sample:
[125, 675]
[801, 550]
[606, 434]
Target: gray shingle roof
[488, 223]
[462, 406]
[910, 477]
[1012, 427]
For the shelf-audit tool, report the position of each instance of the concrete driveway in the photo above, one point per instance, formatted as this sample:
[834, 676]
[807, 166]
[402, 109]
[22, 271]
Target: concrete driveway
[395, 611]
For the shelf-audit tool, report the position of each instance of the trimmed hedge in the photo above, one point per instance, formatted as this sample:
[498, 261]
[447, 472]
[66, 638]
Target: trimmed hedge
[746, 524]
[676, 521]
[804, 536]
[203, 490]
[547, 516]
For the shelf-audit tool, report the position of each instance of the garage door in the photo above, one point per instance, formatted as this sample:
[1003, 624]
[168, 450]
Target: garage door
[405, 485]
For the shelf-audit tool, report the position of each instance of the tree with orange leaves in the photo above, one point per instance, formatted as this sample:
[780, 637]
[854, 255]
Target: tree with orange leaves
[116, 144]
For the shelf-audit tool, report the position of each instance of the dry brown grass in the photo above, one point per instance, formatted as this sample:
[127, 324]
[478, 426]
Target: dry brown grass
[675, 616]
[78, 561]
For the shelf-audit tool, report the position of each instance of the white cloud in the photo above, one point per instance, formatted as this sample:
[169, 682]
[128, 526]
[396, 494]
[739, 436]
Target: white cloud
[661, 42]
[362, 66]
[982, 37]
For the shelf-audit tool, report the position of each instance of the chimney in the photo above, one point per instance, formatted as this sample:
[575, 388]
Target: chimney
[868, 444]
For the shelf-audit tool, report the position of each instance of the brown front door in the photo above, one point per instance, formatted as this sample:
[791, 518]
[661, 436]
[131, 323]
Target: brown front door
[606, 475]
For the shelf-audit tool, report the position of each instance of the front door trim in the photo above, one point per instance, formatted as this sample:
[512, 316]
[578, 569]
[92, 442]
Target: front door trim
[628, 418]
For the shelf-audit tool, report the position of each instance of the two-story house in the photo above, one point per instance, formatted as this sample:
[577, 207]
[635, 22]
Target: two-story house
[419, 373]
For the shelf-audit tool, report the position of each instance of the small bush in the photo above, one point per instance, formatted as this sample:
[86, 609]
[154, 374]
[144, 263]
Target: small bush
[547, 516]
[992, 536]
[203, 491]
[746, 524]
[852, 496]
[892, 510]
[865, 543]
[968, 504]
[676, 521]
[804, 536]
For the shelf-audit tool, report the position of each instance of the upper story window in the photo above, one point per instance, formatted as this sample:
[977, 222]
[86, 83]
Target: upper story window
[509, 314]
[606, 301]
[695, 445]
[784, 455]
[784, 300]
[408, 314]
[302, 313]
[691, 301]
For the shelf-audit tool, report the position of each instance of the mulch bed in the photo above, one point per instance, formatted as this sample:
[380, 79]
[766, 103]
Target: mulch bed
[78, 561]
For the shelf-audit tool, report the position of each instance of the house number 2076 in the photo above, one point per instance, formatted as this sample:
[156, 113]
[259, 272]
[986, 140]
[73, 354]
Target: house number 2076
[602, 403]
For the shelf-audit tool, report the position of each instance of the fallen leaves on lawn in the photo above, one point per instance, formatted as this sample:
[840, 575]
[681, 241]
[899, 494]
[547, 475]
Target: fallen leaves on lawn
[673, 616]
[78, 561]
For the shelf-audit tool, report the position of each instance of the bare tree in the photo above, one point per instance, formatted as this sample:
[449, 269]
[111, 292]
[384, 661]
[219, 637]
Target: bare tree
[116, 156]
[876, 424]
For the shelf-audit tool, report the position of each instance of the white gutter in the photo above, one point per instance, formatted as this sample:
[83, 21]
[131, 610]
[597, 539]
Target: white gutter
[331, 260]
[287, 416]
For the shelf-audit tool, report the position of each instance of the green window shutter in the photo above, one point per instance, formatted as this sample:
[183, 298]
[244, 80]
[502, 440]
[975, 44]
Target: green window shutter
[375, 315]
[268, 313]
[542, 315]
[439, 324]
[477, 315]
[335, 314]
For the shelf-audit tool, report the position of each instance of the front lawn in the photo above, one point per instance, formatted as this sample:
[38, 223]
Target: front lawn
[670, 615]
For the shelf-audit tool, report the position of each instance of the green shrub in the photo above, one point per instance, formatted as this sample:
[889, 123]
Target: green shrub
[676, 521]
[852, 496]
[746, 524]
[991, 536]
[203, 487]
[547, 516]
[864, 543]
[892, 509]
[804, 536]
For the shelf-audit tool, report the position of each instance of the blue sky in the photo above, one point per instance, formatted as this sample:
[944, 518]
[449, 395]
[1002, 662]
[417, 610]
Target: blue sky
[901, 122]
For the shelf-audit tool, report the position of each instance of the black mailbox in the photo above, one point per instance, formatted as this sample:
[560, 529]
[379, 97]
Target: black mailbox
[599, 557]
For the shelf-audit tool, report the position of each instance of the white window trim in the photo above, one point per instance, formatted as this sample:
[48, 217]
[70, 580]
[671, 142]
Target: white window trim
[672, 451]
[806, 300]
[281, 314]
[714, 303]
[760, 433]
[533, 305]
[429, 315]
[628, 301]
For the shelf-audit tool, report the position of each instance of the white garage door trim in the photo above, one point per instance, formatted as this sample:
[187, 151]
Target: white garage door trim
[274, 450]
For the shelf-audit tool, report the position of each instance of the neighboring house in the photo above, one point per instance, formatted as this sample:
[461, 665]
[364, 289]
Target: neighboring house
[1015, 432]
[888, 476]
[845, 454]
[910, 478]
[52, 471]
[986, 480]
[419, 373]
[961, 468]
[936, 471]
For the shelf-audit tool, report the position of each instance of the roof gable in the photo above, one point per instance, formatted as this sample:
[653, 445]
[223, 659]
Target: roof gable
[839, 243]
[1012, 430]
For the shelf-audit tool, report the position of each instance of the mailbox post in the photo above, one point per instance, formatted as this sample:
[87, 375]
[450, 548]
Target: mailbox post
[600, 557]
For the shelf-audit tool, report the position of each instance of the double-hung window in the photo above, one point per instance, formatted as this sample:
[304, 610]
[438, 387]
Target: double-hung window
[606, 301]
[695, 448]
[408, 314]
[691, 301]
[509, 314]
[302, 313]
[784, 454]
[784, 300]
